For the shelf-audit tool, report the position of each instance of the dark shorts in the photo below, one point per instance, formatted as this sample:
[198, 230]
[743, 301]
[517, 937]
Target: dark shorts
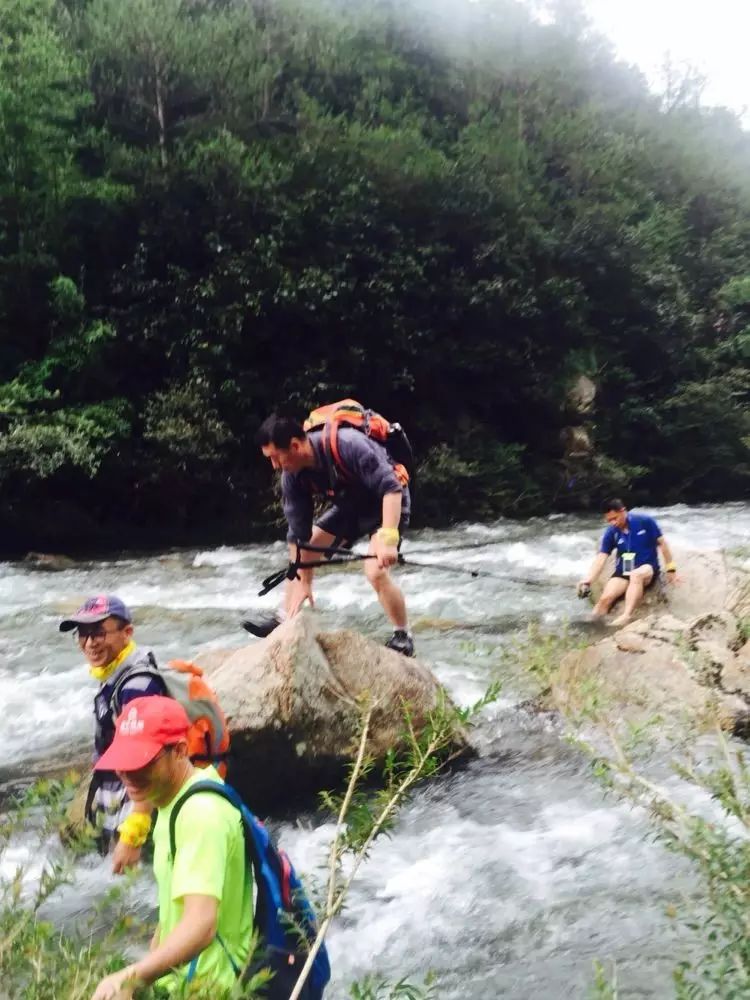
[347, 524]
[649, 585]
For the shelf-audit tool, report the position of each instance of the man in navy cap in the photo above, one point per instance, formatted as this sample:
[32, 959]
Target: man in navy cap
[104, 631]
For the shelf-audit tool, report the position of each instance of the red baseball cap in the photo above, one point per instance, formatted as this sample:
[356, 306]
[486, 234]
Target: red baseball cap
[144, 727]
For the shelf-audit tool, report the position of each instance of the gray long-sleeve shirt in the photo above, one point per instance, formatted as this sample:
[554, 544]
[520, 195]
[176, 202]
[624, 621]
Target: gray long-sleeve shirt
[371, 477]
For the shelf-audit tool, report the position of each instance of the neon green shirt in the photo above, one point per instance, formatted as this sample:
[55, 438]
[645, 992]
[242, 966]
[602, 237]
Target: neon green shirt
[209, 861]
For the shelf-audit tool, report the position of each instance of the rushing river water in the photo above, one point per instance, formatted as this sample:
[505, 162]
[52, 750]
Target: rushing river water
[507, 878]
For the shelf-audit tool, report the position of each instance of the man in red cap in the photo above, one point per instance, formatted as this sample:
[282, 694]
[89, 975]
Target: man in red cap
[103, 627]
[205, 890]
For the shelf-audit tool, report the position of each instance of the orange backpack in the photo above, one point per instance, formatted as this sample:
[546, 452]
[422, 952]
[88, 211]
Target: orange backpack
[350, 413]
[208, 736]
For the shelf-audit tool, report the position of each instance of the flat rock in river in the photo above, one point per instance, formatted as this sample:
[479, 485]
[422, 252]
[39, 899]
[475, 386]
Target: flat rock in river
[685, 661]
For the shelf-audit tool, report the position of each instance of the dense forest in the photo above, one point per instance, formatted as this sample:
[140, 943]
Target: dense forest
[212, 209]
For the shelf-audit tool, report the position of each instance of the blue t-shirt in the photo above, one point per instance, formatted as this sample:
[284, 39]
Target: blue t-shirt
[639, 536]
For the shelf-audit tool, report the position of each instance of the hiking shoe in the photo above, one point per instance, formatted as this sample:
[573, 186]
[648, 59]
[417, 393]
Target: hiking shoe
[401, 642]
[261, 625]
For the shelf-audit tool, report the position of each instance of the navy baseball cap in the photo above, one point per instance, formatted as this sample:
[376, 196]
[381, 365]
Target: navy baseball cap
[96, 609]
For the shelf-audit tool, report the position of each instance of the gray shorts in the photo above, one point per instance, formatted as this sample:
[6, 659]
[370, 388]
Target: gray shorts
[347, 524]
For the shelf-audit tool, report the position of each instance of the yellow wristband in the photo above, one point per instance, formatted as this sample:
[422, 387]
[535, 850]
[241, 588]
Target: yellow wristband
[134, 829]
[670, 568]
[389, 536]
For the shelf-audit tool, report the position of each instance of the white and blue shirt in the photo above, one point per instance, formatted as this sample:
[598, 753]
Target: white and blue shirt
[639, 536]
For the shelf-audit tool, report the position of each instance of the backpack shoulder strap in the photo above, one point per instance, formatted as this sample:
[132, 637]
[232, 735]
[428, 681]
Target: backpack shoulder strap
[329, 463]
[149, 669]
[330, 442]
[224, 791]
[251, 850]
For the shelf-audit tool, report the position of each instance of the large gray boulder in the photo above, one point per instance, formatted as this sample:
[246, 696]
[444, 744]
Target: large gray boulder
[294, 702]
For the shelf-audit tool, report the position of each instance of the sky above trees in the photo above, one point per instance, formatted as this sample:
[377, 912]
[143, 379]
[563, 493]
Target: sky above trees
[710, 37]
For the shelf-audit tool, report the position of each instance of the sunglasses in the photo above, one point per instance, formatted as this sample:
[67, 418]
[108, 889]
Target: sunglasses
[98, 631]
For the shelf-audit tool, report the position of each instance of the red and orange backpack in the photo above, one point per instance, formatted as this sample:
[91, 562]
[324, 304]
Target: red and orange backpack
[350, 413]
[208, 736]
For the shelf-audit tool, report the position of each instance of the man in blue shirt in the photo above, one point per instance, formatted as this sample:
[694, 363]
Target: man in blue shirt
[636, 538]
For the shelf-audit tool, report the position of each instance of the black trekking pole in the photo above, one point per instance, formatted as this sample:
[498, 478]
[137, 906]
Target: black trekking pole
[342, 557]
[347, 556]
[263, 625]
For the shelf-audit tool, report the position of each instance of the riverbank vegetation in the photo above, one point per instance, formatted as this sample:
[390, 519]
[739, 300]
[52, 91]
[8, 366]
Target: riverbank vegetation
[689, 778]
[706, 819]
[213, 208]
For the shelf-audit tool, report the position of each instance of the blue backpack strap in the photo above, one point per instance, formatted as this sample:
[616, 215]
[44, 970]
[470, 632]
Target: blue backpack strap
[272, 886]
[194, 962]
[228, 793]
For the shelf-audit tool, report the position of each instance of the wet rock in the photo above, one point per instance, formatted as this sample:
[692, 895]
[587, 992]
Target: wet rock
[48, 562]
[630, 643]
[576, 442]
[581, 395]
[294, 706]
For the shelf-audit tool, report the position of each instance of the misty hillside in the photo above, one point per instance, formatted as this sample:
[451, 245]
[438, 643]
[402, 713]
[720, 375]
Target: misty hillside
[483, 226]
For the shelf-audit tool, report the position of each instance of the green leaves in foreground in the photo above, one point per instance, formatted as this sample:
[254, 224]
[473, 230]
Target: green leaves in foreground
[374, 988]
[713, 832]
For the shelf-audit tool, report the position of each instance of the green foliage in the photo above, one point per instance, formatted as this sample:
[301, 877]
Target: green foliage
[481, 487]
[239, 206]
[718, 847]
[186, 429]
[712, 832]
[534, 658]
[425, 747]
[374, 988]
[604, 987]
[34, 448]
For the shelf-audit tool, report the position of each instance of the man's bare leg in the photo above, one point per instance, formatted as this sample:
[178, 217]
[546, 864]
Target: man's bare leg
[614, 588]
[389, 594]
[639, 580]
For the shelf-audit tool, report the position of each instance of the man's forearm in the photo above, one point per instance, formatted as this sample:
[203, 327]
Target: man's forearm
[666, 552]
[392, 510]
[597, 566]
[187, 940]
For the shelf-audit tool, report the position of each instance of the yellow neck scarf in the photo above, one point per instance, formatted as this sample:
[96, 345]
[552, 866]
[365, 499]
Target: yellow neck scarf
[102, 674]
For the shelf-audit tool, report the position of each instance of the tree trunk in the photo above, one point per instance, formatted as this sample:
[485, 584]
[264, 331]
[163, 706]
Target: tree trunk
[159, 90]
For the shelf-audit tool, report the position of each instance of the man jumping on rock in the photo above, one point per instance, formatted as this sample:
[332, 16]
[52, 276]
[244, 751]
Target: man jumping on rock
[371, 500]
